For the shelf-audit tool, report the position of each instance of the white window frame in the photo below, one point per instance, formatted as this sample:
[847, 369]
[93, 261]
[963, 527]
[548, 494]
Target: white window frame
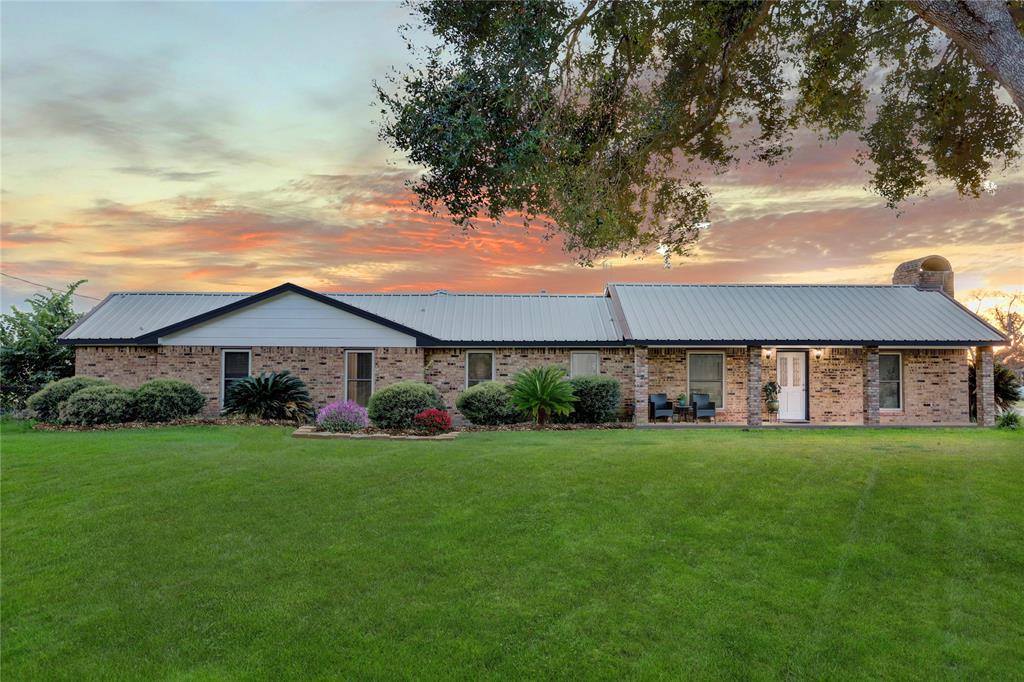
[223, 352]
[585, 352]
[725, 372]
[465, 362]
[373, 370]
[899, 408]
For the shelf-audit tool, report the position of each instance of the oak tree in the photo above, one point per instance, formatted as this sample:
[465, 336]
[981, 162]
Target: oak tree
[602, 119]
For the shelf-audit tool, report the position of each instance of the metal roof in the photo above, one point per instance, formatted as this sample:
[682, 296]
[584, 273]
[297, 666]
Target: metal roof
[696, 314]
[504, 318]
[719, 313]
[128, 315]
[473, 318]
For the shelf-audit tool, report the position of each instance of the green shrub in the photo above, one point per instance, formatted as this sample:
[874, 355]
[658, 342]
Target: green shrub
[489, 404]
[597, 400]
[395, 406]
[271, 395]
[163, 400]
[543, 392]
[106, 404]
[47, 401]
[1008, 420]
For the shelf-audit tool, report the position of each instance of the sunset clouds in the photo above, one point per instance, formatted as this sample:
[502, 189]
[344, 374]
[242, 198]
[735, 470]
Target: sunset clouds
[146, 147]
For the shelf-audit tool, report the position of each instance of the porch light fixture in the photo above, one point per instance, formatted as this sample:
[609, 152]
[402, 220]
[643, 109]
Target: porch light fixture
[768, 353]
[817, 353]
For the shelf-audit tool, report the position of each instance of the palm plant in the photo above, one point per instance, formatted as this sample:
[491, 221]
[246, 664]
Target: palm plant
[271, 395]
[542, 391]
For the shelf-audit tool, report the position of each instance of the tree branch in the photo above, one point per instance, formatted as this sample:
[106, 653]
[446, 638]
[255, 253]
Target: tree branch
[986, 31]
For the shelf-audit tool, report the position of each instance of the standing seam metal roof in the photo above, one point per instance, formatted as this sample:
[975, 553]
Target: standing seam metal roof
[707, 313]
[667, 313]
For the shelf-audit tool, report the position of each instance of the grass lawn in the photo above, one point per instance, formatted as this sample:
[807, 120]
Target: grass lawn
[216, 552]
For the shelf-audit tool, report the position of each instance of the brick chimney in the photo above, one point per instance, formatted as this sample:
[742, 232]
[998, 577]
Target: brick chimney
[930, 272]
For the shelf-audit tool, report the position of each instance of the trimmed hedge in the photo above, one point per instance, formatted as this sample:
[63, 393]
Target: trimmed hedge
[597, 400]
[163, 400]
[489, 404]
[46, 402]
[395, 406]
[107, 404]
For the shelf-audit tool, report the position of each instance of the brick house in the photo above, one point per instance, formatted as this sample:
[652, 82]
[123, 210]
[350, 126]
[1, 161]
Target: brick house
[843, 354]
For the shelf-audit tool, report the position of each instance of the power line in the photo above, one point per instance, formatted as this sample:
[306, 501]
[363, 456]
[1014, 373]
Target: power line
[43, 286]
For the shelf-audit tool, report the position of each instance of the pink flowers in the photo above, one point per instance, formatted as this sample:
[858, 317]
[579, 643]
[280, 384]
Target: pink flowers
[342, 415]
[432, 422]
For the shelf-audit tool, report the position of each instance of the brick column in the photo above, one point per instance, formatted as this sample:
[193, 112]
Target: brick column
[871, 386]
[753, 385]
[640, 385]
[985, 386]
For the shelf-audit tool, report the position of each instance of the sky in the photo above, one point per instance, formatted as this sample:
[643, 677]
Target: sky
[233, 146]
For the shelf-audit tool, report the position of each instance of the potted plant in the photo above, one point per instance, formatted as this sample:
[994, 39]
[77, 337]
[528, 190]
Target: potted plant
[771, 396]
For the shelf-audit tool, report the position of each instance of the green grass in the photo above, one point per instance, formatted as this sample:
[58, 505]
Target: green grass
[206, 553]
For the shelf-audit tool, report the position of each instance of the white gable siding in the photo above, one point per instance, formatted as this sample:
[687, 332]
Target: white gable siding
[289, 319]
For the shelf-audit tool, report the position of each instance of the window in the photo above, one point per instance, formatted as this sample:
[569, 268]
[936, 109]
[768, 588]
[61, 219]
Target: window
[234, 365]
[890, 375]
[359, 376]
[706, 374]
[584, 363]
[479, 367]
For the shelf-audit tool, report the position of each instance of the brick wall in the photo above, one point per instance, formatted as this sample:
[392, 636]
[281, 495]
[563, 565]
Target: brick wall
[934, 388]
[124, 365]
[668, 375]
[934, 380]
[445, 368]
[322, 369]
[835, 385]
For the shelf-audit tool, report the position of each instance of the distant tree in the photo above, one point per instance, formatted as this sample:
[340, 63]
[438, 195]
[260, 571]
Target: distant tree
[599, 118]
[29, 353]
[1005, 317]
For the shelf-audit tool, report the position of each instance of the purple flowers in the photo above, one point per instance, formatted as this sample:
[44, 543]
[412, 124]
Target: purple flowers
[342, 415]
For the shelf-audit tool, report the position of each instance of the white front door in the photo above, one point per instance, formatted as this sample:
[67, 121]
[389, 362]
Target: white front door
[792, 379]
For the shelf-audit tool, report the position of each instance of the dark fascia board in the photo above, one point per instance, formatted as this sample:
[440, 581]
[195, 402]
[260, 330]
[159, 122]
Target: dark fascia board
[437, 343]
[152, 338]
[105, 342]
[908, 343]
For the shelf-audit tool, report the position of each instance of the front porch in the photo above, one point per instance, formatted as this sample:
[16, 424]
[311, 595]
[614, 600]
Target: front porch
[820, 386]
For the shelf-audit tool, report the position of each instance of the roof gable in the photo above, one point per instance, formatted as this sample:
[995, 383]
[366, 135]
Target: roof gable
[288, 319]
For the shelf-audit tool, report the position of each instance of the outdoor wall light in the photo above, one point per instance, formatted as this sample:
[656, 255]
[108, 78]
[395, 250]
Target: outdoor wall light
[768, 353]
[817, 353]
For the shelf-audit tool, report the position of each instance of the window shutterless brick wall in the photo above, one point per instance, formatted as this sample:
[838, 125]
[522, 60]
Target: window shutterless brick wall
[934, 388]
[445, 368]
[934, 380]
[322, 369]
[668, 374]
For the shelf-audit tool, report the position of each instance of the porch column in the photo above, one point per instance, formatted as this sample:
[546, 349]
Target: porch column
[985, 386]
[640, 385]
[753, 385]
[871, 386]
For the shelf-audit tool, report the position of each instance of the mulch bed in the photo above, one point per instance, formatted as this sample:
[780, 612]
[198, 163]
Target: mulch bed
[527, 426]
[366, 433]
[43, 426]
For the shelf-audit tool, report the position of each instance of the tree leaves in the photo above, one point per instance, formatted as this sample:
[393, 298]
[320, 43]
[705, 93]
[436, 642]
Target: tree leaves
[600, 121]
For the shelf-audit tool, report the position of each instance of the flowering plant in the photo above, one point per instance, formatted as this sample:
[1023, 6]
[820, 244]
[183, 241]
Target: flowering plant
[342, 415]
[432, 422]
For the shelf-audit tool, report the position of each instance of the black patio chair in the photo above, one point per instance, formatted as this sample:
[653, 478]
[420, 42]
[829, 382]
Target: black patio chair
[702, 406]
[659, 406]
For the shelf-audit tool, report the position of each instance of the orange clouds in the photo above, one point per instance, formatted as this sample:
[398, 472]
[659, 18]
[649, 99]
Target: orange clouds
[363, 232]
